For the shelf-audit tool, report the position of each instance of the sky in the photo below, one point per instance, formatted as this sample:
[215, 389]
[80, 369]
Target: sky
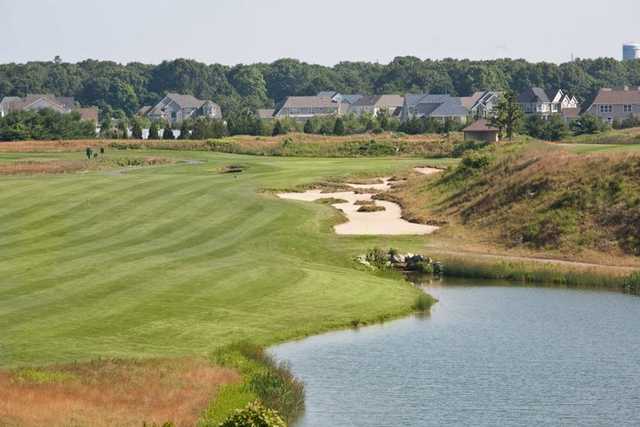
[321, 31]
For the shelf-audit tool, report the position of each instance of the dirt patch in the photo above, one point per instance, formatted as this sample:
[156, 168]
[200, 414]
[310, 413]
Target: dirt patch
[232, 169]
[427, 170]
[109, 393]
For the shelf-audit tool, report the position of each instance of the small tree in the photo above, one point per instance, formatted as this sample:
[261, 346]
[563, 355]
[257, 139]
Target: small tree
[278, 129]
[308, 127]
[507, 115]
[338, 127]
[184, 131]
[168, 132]
[136, 130]
[123, 129]
[88, 152]
[588, 124]
[153, 131]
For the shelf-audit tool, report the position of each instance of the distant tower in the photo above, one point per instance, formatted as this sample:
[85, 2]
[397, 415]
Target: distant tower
[630, 51]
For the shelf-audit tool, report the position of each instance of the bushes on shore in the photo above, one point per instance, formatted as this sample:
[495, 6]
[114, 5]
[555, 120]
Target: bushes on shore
[264, 379]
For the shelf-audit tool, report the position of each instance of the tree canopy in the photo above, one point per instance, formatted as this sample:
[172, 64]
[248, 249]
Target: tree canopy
[125, 88]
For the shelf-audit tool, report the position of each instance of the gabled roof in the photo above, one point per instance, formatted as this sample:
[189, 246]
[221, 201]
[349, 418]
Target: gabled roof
[451, 107]
[481, 125]
[618, 96]
[351, 99]
[185, 101]
[327, 93]
[309, 102]
[62, 103]
[533, 95]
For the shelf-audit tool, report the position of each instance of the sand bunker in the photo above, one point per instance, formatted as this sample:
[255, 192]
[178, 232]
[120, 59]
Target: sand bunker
[427, 170]
[387, 222]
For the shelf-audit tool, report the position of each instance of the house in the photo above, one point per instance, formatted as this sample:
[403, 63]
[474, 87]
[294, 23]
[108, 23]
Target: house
[480, 130]
[481, 103]
[347, 100]
[376, 103]
[536, 100]
[439, 107]
[306, 107]
[175, 108]
[616, 104]
[265, 113]
[36, 102]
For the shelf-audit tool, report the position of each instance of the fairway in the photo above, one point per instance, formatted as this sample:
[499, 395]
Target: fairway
[181, 259]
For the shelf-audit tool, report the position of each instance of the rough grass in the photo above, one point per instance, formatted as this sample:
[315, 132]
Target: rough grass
[34, 167]
[111, 392]
[177, 260]
[537, 196]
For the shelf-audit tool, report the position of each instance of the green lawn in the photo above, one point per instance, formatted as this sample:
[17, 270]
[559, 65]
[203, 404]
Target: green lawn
[180, 259]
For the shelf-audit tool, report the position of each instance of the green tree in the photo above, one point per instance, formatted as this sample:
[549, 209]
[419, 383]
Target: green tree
[338, 127]
[507, 115]
[308, 126]
[167, 133]
[184, 130]
[136, 130]
[123, 129]
[278, 129]
[154, 131]
[88, 152]
[588, 124]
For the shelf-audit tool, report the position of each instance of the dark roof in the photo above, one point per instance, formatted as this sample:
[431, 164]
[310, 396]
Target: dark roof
[366, 100]
[309, 102]
[185, 101]
[351, 99]
[481, 125]
[533, 95]
[451, 107]
[618, 96]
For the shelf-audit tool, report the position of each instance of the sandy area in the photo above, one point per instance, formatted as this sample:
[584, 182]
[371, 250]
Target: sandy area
[387, 222]
[427, 170]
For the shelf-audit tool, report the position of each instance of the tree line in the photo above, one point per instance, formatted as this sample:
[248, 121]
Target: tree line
[120, 89]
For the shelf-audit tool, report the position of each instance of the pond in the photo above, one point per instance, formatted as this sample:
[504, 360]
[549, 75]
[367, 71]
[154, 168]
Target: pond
[488, 354]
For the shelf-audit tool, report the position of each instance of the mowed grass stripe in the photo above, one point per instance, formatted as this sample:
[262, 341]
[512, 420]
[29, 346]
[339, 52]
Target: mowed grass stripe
[204, 245]
[163, 201]
[211, 262]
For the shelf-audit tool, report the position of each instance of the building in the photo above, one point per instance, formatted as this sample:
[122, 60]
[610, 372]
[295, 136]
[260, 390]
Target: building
[630, 51]
[36, 102]
[439, 107]
[482, 103]
[536, 100]
[616, 104]
[480, 130]
[374, 104]
[306, 107]
[175, 108]
[345, 99]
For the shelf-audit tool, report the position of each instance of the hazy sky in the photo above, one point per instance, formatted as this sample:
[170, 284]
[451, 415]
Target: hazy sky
[320, 31]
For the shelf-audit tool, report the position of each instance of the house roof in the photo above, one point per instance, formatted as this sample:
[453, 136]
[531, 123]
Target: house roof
[144, 110]
[449, 108]
[265, 113]
[392, 101]
[328, 93]
[481, 125]
[351, 99]
[470, 101]
[618, 96]
[62, 103]
[88, 113]
[309, 102]
[533, 95]
[185, 101]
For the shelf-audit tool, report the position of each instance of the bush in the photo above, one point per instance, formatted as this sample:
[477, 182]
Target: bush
[423, 302]
[632, 284]
[254, 415]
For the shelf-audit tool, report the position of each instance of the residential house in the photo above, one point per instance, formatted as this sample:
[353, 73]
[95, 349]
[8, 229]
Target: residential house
[481, 103]
[175, 108]
[480, 130]
[377, 103]
[536, 100]
[616, 104]
[306, 107]
[345, 99]
[36, 102]
[439, 107]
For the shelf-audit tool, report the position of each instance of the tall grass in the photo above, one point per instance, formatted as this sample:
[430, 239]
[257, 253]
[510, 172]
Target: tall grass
[264, 378]
[533, 272]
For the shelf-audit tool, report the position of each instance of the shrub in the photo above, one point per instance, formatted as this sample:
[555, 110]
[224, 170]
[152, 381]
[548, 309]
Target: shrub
[632, 283]
[371, 208]
[254, 415]
[378, 258]
[423, 302]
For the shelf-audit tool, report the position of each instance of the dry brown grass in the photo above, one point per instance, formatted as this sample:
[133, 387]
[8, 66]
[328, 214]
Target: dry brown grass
[111, 393]
[52, 166]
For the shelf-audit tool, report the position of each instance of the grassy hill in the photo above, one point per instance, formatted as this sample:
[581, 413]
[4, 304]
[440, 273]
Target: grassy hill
[180, 259]
[538, 196]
